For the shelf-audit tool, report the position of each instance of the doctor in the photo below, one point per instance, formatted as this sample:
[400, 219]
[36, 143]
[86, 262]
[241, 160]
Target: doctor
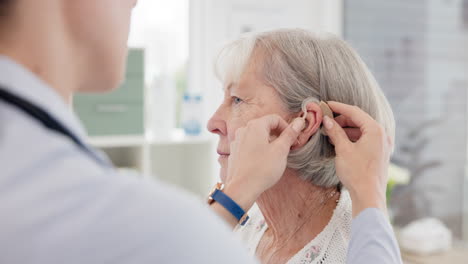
[63, 202]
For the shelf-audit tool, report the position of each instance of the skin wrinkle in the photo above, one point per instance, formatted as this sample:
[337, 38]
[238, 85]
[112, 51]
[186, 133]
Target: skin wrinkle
[284, 211]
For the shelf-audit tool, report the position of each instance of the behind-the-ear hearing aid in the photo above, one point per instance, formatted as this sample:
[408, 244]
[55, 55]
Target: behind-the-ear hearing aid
[326, 111]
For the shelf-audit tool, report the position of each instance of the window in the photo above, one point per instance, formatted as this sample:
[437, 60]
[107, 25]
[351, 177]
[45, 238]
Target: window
[162, 29]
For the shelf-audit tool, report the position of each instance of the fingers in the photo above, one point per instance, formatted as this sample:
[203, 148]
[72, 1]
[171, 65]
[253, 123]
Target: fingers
[351, 129]
[272, 123]
[343, 121]
[356, 116]
[354, 134]
[336, 134]
[289, 135]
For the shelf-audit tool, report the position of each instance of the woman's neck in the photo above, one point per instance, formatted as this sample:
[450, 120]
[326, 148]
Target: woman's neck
[294, 204]
[43, 49]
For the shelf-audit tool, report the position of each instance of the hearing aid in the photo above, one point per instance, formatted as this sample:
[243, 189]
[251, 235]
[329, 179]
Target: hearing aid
[326, 111]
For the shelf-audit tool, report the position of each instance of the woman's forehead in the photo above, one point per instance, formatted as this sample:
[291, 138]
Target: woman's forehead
[250, 78]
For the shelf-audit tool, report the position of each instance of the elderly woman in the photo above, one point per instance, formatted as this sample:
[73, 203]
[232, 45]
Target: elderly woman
[306, 216]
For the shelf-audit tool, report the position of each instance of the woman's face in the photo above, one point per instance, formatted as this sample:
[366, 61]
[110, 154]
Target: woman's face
[99, 32]
[243, 101]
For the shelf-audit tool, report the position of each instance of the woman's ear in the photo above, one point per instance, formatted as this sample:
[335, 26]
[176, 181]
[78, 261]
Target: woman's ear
[313, 122]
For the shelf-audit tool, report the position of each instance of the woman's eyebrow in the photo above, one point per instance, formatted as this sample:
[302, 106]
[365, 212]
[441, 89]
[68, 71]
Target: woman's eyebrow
[231, 85]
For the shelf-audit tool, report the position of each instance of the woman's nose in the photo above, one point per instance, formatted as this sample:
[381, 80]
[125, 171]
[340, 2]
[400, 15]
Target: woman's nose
[216, 124]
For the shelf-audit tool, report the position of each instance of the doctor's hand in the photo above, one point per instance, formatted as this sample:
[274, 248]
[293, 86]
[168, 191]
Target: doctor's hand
[257, 160]
[362, 155]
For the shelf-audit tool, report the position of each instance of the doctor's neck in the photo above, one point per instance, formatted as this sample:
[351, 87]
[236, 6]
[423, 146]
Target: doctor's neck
[39, 42]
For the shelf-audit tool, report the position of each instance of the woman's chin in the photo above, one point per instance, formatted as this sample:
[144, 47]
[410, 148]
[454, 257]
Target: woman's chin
[223, 175]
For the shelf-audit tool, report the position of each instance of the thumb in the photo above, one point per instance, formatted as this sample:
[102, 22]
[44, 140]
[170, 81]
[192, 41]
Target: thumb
[335, 132]
[290, 133]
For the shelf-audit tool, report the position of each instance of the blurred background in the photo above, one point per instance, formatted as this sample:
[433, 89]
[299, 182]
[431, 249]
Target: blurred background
[155, 123]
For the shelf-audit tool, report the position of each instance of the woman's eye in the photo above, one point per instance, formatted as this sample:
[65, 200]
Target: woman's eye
[236, 100]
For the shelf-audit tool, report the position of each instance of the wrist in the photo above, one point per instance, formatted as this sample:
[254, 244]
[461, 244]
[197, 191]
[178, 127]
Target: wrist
[362, 200]
[230, 203]
[241, 195]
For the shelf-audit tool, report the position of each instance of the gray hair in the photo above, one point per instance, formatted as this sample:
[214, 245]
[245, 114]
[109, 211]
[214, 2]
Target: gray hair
[299, 65]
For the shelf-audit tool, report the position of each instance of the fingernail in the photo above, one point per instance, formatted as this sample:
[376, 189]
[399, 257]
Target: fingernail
[327, 122]
[298, 124]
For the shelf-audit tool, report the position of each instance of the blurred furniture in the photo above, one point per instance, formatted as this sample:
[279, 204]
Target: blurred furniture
[455, 256]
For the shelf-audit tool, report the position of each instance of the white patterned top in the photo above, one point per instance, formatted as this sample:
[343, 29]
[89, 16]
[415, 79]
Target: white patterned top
[329, 246]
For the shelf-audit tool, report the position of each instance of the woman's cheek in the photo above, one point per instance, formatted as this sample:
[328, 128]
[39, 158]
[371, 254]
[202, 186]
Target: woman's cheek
[232, 131]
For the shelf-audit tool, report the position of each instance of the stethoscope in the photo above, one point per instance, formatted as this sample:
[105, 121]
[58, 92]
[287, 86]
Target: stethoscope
[47, 121]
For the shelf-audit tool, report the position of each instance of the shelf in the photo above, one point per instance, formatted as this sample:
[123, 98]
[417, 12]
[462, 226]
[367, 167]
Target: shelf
[117, 141]
[177, 137]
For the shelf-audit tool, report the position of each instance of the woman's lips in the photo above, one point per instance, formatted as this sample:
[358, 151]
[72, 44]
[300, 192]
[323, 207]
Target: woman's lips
[222, 155]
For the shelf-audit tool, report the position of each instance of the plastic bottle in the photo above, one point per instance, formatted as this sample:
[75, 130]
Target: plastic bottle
[192, 114]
